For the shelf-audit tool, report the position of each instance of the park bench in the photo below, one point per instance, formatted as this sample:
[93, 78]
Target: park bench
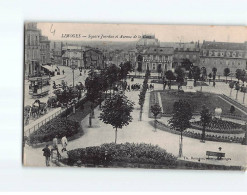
[219, 155]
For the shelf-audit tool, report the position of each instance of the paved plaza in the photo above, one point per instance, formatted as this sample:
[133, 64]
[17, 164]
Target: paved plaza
[142, 132]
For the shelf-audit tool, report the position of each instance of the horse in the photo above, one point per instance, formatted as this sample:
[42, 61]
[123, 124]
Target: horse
[42, 108]
[51, 102]
[35, 111]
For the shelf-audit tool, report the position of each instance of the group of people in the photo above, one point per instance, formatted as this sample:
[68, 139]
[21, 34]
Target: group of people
[137, 87]
[47, 152]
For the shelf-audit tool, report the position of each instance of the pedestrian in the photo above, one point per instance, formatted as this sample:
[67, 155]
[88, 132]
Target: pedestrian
[47, 154]
[64, 142]
[54, 145]
[63, 72]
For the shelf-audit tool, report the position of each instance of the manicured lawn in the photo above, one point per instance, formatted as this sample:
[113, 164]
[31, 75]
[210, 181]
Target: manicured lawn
[196, 100]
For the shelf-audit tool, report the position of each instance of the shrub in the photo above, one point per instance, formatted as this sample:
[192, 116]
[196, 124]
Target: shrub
[124, 153]
[57, 126]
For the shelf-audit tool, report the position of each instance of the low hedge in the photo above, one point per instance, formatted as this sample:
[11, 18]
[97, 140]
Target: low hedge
[124, 153]
[57, 126]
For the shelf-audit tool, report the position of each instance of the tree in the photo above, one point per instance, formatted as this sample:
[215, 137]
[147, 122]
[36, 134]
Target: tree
[204, 73]
[186, 64]
[238, 74]
[180, 120]
[231, 85]
[243, 76]
[206, 118]
[196, 73]
[210, 75]
[141, 102]
[214, 70]
[159, 69]
[180, 76]
[156, 110]
[169, 75]
[139, 67]
[116, 112]
[125, 69]
[226, 73]
[237, 87]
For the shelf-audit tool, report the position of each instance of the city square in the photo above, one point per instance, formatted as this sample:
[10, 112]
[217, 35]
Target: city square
[145, 104]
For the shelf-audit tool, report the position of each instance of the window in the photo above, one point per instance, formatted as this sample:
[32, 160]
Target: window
[154, 66]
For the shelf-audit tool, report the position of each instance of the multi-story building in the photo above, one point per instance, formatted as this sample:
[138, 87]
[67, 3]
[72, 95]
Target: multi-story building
[222, 55]
[187, 51]
[56, 52]
[93, 58]
[156, 59]
[32, 49]
[45, 50]
[73, 55]
[150, 54]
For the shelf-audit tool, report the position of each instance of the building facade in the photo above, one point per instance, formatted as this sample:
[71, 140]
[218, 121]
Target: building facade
[44, 50]
[150, 54]
[158, 59]
[72, 55]
[32, 49]
[187, 51]
[223, 55]
[56, 52]
[93, 58]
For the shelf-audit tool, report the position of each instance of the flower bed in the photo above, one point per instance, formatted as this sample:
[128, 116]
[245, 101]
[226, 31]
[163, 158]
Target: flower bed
[122, 153]
[217, 138]
[57, 126]
[220, 126]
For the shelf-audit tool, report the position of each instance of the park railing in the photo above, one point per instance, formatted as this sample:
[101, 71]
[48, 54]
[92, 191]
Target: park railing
[67, 110]
[28, 131]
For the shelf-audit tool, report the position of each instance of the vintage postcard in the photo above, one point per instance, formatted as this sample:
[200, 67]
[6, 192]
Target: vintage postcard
[135, 96]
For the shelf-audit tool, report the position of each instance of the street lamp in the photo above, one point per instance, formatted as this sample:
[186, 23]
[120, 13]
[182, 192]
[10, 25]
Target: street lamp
[73, 68]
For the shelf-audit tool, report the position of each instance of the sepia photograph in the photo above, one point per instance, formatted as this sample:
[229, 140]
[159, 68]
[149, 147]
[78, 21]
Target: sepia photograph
[140, 96]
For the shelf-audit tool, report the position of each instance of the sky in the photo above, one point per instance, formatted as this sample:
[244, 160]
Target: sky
[132, 32]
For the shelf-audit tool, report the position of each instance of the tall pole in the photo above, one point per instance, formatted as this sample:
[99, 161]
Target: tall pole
[73, 78]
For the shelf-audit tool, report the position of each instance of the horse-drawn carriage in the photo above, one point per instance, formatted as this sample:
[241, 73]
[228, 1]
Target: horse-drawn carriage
[38, 108]
[63, 96]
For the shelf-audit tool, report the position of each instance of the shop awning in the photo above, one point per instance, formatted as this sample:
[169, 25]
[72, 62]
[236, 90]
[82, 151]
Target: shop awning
[48, 68]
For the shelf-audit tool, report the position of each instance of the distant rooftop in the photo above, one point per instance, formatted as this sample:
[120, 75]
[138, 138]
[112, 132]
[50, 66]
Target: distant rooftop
[223, 45]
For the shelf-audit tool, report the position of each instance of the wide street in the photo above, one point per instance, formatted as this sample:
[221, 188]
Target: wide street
[141, 131]
[67, 77]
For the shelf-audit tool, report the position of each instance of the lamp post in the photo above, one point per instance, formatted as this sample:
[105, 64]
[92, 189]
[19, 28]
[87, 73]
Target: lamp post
[73, 69]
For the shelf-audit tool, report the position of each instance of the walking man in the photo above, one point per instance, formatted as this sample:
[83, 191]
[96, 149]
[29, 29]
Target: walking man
[64, 143]
[47, 154]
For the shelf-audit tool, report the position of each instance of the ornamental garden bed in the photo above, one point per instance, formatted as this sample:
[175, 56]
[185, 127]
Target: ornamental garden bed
[220, 126]
[196, 100]
[217, 138]
[113, 154]
[173, 82]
